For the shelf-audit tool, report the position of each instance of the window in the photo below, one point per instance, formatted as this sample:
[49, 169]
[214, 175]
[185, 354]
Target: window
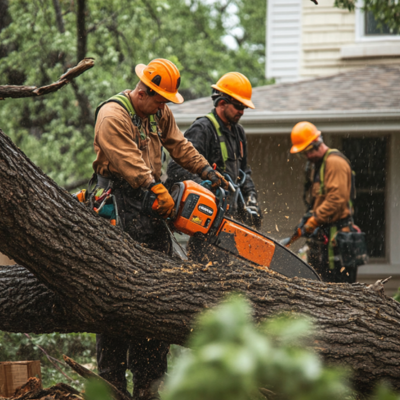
[368, 157]
[367, 28]
[371, 26]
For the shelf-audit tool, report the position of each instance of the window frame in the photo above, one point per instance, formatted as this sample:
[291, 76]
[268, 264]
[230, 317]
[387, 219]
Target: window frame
[360, 28]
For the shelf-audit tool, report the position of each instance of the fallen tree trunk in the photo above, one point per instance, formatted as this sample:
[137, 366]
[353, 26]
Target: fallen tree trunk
[26, 305]
[109, 281]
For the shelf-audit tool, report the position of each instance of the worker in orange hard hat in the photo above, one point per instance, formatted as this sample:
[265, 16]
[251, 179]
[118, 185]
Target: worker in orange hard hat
[131, 129]
[220, 138]
[328, 193]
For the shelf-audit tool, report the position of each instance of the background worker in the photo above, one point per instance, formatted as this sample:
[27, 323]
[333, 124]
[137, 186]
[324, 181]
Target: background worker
[130, 130]
[328, 190]
[220, 138]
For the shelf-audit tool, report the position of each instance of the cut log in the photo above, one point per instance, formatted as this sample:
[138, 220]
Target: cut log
[106, 279]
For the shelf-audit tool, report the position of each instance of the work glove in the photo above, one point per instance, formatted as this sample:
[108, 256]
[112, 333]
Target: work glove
[309, 227]
[217, 180]
[165, 202]
[252, 203]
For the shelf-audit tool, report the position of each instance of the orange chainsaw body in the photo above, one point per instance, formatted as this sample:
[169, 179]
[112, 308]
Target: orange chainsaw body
[197, 209]
[199, 212]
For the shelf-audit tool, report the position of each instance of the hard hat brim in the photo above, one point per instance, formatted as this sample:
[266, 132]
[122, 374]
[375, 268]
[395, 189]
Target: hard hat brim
[174, 97]
[246, 102]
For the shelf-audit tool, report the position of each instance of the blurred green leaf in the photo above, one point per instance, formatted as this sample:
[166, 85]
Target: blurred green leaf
[97, 390]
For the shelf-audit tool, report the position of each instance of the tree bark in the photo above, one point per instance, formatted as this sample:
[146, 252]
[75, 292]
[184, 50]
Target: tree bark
[81, 29]
[26, 305]
[107, 280]
[59, 19]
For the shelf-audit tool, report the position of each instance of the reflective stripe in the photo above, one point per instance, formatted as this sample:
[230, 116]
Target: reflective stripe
[221, 137]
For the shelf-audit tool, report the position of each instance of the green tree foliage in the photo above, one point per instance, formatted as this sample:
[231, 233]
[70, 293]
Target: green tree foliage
[96, 390]
[38, 45]
[386, 12]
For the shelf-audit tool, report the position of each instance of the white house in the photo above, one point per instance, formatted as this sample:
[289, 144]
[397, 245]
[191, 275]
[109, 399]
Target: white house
[305, 40]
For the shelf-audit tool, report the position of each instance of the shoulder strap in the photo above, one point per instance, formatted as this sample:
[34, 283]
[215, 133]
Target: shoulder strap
[221, 138]
[322, 174]
[125, 103]
[122, 100]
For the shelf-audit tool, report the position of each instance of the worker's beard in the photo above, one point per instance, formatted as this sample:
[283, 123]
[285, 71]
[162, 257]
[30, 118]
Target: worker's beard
[232, 119]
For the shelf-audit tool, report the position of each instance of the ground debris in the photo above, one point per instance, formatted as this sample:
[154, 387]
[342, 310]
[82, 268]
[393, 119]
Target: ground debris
[33, 390]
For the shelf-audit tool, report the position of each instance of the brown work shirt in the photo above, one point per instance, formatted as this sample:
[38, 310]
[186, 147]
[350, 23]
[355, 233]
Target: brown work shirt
[334, 204]
[121, 152]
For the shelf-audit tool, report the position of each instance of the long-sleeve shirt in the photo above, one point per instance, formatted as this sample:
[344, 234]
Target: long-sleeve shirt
[334, 204]
[122, 152]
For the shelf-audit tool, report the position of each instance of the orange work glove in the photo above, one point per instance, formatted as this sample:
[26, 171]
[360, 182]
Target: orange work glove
[165, 202]
[217, 180]
[310, 226]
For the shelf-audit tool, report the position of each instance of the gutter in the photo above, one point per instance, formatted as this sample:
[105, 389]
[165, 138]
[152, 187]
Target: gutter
[275, 123]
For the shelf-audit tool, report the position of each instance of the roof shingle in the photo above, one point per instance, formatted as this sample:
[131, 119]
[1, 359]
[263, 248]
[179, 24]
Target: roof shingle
[370, 88]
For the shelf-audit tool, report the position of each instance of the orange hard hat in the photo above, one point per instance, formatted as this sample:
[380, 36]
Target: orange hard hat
[237, 86]
[303, 134]
[163, 77]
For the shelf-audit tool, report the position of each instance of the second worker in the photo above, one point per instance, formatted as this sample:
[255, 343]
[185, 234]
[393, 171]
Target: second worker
[220, 138]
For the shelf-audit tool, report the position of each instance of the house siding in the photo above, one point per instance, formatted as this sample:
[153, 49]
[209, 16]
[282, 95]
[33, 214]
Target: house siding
[283, 40]
[325, 30]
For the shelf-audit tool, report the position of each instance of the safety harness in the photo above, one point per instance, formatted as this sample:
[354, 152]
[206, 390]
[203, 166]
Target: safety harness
[125, 103]
[222, 140]
[339, 224]
[99, 193]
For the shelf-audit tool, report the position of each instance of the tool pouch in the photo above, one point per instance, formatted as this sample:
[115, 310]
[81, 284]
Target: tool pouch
[352, 248]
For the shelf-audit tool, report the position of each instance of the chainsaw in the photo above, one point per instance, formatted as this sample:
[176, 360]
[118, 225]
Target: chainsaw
[200, 214]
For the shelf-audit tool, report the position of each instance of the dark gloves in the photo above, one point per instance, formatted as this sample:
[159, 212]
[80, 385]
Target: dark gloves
[252, 206]
[217, 180]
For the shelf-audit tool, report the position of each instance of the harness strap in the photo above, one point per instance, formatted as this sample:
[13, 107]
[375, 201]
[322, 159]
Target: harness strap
[322, 169]
[221, 138]
[125, 103]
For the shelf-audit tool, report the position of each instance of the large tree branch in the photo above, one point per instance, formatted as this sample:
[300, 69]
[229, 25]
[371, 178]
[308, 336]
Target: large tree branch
[32, 91]
[109, 281]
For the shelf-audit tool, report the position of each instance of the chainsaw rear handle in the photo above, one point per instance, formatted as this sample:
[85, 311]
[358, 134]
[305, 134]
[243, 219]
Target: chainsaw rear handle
[150, 204]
